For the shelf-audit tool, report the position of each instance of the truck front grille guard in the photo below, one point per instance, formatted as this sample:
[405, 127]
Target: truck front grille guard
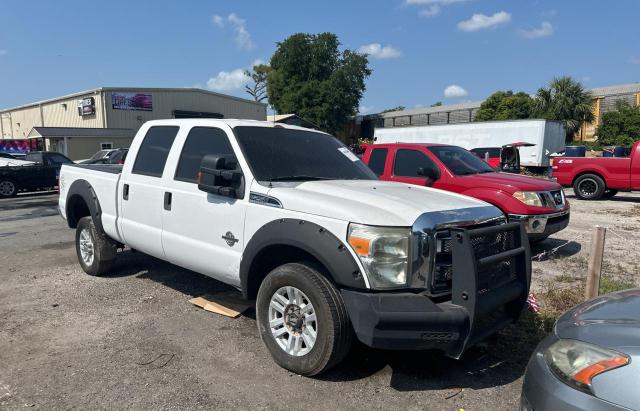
[491, 276]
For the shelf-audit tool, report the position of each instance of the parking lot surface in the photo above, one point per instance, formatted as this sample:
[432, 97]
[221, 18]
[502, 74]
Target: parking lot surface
[132, 339]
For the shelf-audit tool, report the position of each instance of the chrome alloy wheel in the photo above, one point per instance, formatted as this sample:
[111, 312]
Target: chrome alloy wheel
[292, 320]
[588, 187]
[86, 247]
[7, 188]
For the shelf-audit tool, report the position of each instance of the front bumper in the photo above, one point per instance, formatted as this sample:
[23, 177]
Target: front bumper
[476, 308]
[540, 226]
[543, 391]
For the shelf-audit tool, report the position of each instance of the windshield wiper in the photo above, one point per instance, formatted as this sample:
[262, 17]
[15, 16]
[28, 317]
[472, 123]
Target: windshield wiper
[297, 178]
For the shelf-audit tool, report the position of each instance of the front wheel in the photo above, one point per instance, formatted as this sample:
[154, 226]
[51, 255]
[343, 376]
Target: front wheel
[589, 187]
[95, 250]
[8, 188]
[302, 319]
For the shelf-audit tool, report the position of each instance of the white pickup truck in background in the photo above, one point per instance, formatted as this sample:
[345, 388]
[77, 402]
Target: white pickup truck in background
[296, 221]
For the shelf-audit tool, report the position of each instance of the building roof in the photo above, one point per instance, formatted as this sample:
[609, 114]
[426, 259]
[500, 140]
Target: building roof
[53, 132]
[613, 90]
[130, 89]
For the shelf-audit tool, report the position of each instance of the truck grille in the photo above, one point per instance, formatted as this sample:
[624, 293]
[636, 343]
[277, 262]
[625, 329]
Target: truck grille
[483, 245]
[552, 199]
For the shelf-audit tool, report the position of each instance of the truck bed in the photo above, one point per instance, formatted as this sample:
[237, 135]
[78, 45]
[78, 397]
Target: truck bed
[104, 179]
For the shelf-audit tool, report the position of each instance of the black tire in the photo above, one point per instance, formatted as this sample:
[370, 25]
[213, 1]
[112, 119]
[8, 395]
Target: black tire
[589, 187]
[334, 333]
[104, 250]
[609, 194]
[8, 188]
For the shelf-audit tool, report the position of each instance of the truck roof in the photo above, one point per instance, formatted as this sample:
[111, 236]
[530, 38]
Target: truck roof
[231, 122]
[410, 145]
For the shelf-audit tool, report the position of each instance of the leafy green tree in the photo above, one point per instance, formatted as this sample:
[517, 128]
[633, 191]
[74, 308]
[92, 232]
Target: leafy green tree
[505, 105]
[310, 77]
[397, 108]
[620, 127]
[436, 104]
[258, 90]
[567, 100]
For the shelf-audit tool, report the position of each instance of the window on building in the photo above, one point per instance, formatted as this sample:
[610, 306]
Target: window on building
[200, 142]
[106, 146]
[154, 150]
[377, 160]
[408, 162]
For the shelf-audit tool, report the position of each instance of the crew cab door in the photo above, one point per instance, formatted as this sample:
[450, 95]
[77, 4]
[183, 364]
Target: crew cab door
[406, 165]
[141, 191]
[201, 231]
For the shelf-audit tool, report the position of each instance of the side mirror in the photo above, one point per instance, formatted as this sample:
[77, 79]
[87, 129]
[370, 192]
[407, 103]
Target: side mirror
[220, 175]
[429, 172]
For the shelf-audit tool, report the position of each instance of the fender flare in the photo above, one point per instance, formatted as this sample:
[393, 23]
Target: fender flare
[312, 239]
[83, 189]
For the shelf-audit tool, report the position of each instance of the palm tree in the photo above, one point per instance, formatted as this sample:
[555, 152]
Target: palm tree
[567, 100]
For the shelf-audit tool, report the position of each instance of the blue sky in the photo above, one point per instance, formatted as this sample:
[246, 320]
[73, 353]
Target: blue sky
[421, 51]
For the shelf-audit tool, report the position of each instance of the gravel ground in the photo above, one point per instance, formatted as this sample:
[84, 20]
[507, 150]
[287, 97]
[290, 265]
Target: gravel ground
[132, 340]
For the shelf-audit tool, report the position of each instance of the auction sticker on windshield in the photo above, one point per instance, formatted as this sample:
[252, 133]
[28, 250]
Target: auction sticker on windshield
[348, 153]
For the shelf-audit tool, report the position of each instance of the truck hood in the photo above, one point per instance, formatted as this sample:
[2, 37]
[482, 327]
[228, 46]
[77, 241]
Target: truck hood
[509, 183]
[370, 202]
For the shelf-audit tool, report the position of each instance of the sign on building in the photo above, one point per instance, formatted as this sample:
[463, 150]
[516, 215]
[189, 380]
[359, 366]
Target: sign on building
[86, 106]
[131, 101]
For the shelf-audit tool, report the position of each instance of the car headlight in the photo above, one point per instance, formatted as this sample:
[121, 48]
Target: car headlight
[576, 362]
[530, 198]
[384, 253]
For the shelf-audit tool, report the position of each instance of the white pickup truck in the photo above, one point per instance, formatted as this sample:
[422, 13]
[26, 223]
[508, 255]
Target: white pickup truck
[294, 220]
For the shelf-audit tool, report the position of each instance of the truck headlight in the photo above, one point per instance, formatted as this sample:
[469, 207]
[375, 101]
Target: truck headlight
[384, 253]
[530, 198]
[576, 362]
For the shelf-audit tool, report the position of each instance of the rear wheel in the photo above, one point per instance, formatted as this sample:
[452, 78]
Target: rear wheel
[8, 188]
[589, 187]
[302, 319]
[95, 250]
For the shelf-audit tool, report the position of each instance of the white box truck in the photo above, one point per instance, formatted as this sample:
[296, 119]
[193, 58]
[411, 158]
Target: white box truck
[548, 137]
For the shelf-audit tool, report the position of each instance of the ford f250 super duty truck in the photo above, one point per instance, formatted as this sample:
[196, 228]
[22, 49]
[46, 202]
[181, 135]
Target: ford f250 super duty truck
[601, 177]
[537, 202]
[296, 221]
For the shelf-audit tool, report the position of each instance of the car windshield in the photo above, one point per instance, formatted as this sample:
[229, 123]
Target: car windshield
[459, 161]
[99, 154]
[284, 154]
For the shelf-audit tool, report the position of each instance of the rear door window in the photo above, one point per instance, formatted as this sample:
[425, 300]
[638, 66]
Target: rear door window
[153, 152]
[377, 160]
[200, 142]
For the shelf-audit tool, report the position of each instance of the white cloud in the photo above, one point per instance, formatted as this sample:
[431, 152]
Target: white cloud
[545, 30]
[481, 21]
[433, 7]
[635, 60]
[365, 109]
[454, 91]
[3, 52]
[228, 80]
[218, 21]
[242, 36]
[377, 51]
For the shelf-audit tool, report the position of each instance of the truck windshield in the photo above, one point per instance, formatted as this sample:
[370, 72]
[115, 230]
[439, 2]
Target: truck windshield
[459, 161]
[284, 154]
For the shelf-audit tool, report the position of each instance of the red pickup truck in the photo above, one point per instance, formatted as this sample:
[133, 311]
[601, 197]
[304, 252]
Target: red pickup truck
[541, 204]
[601, 177]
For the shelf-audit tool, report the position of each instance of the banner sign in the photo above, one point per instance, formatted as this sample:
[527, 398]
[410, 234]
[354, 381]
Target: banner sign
[131, 101]
[86, 106]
